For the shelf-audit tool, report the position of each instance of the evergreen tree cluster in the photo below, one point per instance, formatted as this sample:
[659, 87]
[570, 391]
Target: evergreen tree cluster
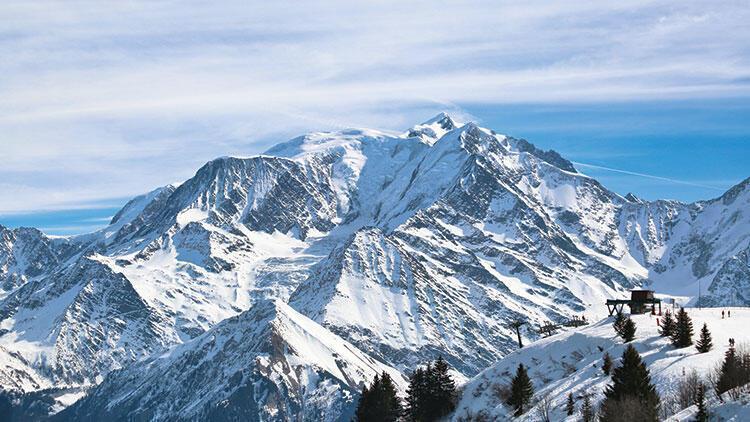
[521, 391]
[431, 394]
[379, 402]
[624, 327]
[631, 396]
[682, 335]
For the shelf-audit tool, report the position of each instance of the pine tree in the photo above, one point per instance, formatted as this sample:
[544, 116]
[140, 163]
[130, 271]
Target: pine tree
[570, 406]
[619, 323]
[442, 388]
[521, 391]
[607, 363]
[667, 324]
[416, 395]
[683, 332]
[391, 403]
[700, 402]
[631, 396]
[366, 401]
[587, 409]
[379, 402]
[730, 374]
[628, 330]
[704, 344]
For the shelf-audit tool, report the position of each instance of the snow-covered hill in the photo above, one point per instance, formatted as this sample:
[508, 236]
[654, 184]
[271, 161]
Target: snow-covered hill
[406, 245]
[571, 362]
[728, 410]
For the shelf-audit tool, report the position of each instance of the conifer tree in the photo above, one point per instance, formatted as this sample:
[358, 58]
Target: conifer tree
[704, 343]
[730, 374]
[683, 331]
[442, 389]
[667, 324]
[631, 396]
[521, 391]
[570, 406]
[628, 330]
[366, 400]
[416, 395]
[379, 402]
[607, 363]
[619, 323]
[587, 409]
[700, 402]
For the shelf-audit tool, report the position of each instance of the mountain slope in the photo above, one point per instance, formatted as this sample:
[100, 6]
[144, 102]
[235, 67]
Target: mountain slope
[269, 363]
[80, 323]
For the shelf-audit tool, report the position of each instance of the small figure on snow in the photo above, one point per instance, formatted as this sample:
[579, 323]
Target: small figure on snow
[722, 314]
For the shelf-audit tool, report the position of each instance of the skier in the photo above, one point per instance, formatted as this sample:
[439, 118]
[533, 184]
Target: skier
[722, 314]
[729, 313]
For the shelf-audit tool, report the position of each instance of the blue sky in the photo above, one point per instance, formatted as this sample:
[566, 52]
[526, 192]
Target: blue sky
[100, 101]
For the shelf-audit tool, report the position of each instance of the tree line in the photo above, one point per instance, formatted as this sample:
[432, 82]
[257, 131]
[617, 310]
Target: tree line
[431, 395]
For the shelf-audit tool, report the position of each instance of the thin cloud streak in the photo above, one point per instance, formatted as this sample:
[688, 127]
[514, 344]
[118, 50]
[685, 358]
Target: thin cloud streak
[650, 176]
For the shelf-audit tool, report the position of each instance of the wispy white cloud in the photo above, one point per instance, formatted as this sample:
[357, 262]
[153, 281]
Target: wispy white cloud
[108, 99]
[653, 177]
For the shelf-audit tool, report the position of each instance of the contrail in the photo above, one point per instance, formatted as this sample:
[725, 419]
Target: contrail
[649, 176]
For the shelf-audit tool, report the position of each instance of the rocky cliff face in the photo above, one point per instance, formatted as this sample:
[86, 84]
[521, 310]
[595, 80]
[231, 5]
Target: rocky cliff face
[404, 247]
[25, 254]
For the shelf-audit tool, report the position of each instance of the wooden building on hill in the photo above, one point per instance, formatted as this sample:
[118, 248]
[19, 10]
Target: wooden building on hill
[640, 302]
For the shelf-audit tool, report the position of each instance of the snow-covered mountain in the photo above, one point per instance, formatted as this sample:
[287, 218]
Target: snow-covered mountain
[404, 245]
[269, 363]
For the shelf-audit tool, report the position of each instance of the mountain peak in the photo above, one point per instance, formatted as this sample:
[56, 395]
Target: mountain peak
[433, 129]
[443, 119]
